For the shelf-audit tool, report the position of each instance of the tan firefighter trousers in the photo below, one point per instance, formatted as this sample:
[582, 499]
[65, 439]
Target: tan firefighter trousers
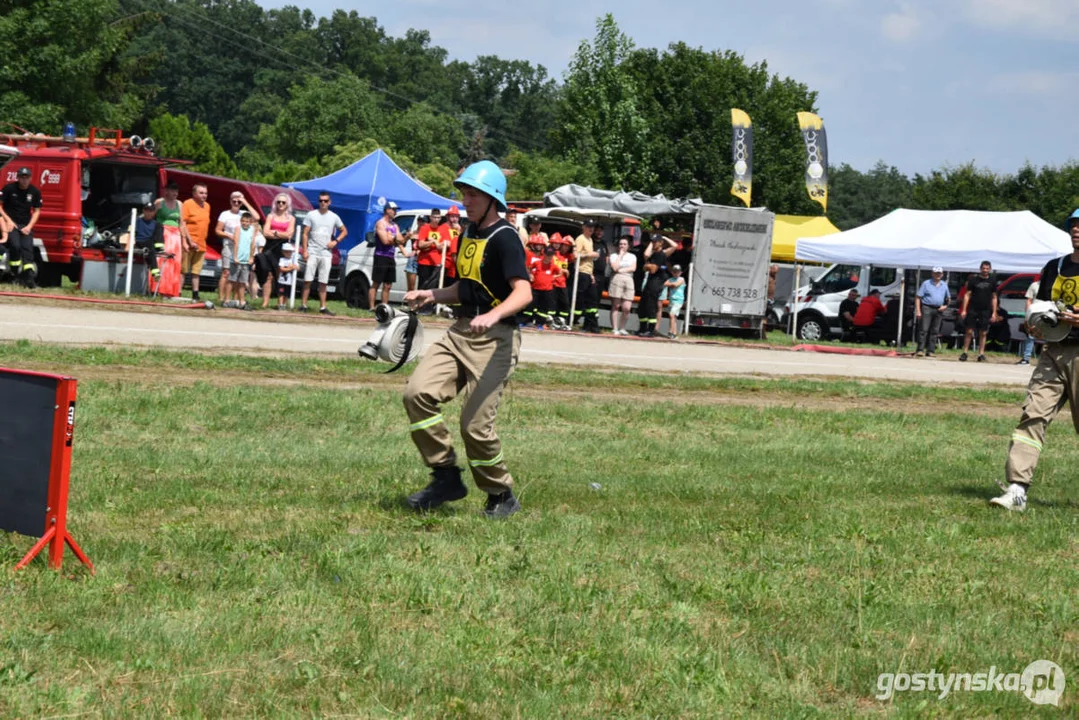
[480, 365]
[1051, 385]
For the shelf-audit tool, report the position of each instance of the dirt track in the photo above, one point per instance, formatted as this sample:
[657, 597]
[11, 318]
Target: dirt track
[268, 332]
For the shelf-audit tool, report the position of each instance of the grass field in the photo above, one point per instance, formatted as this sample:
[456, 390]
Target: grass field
[756, 548]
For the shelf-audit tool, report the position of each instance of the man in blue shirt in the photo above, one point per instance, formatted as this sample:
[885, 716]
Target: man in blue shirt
[933, 296]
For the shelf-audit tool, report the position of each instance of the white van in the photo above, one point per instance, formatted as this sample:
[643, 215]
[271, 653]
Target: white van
[818, 302]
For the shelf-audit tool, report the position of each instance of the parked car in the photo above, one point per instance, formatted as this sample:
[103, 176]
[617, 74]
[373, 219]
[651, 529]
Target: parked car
[1012, 293]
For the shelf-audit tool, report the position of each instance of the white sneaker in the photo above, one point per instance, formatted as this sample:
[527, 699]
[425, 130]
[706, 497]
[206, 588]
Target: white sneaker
[1012, 499]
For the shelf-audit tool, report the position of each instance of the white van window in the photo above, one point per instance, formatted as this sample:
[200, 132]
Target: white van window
[879, 276]
[840, 278]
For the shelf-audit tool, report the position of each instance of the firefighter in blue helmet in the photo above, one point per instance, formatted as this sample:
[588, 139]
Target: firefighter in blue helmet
[478, 353]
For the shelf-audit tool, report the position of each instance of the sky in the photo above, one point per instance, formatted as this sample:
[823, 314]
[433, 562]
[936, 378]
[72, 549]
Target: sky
[919, 84]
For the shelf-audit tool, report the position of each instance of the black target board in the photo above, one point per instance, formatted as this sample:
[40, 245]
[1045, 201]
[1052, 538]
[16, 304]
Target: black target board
[28, 413]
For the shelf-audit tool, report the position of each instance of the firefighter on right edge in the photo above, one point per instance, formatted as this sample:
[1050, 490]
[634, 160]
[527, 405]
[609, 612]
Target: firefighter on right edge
[1053, 382]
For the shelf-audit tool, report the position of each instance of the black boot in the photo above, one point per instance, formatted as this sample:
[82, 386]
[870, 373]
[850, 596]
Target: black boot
[501, 506]
[445, 486]
[29, 279]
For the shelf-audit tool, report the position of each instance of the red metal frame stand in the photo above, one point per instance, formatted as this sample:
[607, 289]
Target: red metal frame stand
[56, 534]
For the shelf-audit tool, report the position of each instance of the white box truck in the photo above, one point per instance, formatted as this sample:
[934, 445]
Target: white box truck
[732, 250]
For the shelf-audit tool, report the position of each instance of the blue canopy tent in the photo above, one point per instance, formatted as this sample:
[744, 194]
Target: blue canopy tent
[359, 194]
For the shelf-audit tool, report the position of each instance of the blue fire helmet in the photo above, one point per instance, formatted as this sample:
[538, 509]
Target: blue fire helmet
[486, 177]
[1071, 220]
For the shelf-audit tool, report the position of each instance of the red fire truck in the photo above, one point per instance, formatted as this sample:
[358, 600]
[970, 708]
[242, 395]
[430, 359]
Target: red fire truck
[85, 182]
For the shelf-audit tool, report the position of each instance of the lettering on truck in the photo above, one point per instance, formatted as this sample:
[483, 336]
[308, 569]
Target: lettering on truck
[48, 176]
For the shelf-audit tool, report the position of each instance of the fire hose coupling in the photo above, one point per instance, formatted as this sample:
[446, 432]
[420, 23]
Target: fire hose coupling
[1043, 320]
[397, 339]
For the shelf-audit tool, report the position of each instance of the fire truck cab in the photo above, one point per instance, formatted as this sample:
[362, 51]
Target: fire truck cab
[86, 182]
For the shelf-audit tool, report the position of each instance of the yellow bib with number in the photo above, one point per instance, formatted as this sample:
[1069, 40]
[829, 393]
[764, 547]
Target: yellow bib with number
[1065, 289]
[470, 261]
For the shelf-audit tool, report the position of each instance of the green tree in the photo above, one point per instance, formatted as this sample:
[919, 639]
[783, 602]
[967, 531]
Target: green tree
[601, 121]
[176, 137]
[960, 188]
[514, 100]
[1052, 193]
[425, 135]
[207, 65]
[320, 115]
[62, 61]
[535, 173]
[686, 96]
[857, 198]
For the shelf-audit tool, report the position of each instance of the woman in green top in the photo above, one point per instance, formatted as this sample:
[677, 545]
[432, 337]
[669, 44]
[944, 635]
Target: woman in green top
[168, 212]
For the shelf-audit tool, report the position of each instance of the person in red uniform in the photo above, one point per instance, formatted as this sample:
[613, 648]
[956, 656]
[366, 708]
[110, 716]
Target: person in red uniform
[453, 228]
[429, 242]
[869, 310]
[564, 257]
[533, 257]
[543, 277]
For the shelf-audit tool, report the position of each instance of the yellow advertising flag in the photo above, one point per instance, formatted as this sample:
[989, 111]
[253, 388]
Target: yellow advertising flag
[816, 157]
[742, 155]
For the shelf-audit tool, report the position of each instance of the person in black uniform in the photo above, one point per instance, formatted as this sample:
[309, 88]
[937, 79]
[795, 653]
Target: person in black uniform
[655, 264]
[847, 310]
[21, 203]
[979, 309]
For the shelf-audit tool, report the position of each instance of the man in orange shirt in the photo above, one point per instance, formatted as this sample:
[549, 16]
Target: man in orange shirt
[195, 213]
[429, 242]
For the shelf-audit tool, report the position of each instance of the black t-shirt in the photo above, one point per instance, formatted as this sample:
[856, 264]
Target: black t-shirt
[850, 306]
[1067, 290]
[981, 291]
[660, 260]
[487, 260]
[19, 204]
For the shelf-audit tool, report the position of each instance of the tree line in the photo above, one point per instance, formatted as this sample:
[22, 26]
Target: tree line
[280, 95]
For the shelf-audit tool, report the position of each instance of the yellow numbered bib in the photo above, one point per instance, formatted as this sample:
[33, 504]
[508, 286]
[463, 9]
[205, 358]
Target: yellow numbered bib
[470, 260]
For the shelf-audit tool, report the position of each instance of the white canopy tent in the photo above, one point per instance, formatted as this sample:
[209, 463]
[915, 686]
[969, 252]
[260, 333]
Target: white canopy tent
[952, 239]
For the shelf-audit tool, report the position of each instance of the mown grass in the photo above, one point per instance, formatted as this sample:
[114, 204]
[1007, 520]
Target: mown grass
[254, 558]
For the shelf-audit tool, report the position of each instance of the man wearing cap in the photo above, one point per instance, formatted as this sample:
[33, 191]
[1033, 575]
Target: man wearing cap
[20, 203]
[933, 296]
[384, 265]
[145, 235]
[1053, 383]
[225, 229]
[477, 354]
[587, 296]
